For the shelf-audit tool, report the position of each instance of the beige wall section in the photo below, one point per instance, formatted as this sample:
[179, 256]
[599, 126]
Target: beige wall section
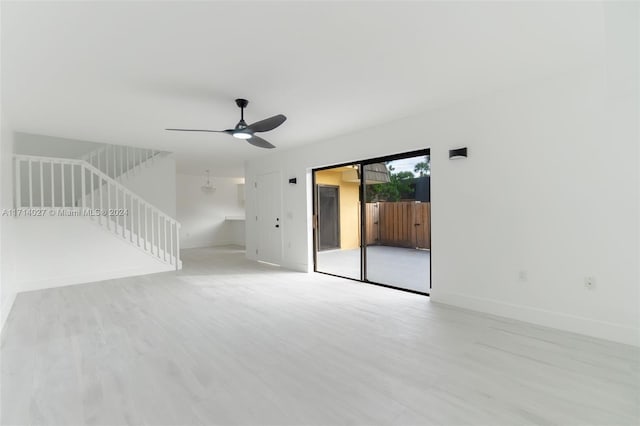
[349, 206]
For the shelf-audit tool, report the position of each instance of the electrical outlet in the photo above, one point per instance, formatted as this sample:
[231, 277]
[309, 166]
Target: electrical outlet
[589, 283]
[523, 276]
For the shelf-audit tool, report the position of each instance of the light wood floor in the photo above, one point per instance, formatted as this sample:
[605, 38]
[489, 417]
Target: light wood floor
[228, 342]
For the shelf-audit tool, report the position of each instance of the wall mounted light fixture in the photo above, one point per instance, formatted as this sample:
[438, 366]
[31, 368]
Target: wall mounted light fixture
[293, 181]
[458, 153]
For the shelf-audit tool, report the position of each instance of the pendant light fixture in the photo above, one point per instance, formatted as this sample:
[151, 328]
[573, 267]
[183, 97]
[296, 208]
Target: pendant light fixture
[207, 188]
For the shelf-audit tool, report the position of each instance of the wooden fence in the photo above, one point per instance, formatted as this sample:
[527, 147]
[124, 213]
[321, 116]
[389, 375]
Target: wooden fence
[399, 224]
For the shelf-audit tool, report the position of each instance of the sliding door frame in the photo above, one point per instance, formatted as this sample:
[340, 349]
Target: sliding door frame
[363, 218]
[316, 238]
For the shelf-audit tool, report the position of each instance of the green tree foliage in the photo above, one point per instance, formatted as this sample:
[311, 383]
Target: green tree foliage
[399, 186]
[423, 168]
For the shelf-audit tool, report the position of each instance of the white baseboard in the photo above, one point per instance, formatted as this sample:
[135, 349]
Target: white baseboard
[205, 244]
[298, 267]
[619, 333]
[5, 309]
[88, 278]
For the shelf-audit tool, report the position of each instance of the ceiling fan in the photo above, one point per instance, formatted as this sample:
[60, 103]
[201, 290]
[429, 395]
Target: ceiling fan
[247, 132]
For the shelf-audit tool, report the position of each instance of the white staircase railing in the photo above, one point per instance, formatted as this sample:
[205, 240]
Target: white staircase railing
[78, 188]
[117, 161]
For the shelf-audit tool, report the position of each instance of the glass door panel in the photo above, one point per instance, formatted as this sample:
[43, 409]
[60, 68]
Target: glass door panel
[337, 221]
[397, 223]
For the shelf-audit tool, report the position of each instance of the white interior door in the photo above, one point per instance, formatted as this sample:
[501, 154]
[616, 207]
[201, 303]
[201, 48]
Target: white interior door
[269, 190]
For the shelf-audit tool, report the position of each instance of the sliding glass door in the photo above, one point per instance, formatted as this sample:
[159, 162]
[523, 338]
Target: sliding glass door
[337, 216]
[397, 213]
[372, 221]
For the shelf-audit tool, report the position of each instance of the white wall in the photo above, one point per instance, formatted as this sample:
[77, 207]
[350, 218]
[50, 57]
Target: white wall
[156, 183]
[551, 187]
[75, 250]
[7, 255]
[202, 216]
[49, 146]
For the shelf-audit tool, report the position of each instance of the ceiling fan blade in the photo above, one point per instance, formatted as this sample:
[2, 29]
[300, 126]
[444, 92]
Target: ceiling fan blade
[268, 123]
[199, 130]
[259, 142]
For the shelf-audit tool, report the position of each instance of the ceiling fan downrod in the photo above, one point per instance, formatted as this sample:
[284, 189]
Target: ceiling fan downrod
[242, 104]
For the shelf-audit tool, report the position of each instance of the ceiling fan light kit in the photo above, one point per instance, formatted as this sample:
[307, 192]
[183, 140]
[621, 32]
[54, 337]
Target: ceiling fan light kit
[247, 132]
[242, 135]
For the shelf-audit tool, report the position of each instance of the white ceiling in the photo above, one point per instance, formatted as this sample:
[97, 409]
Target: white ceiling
[121, 72]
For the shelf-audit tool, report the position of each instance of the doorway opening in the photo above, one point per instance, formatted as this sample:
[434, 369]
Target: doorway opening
[372, 221]
[328, 217]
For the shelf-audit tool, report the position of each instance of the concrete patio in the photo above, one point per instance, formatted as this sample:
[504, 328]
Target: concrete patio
[396, 266]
